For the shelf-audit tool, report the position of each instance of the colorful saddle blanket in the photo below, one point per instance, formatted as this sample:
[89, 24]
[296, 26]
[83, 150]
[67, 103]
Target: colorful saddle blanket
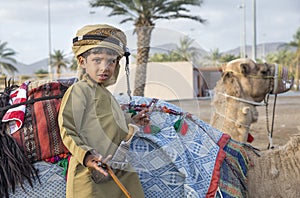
[184, 160]
[176, 156]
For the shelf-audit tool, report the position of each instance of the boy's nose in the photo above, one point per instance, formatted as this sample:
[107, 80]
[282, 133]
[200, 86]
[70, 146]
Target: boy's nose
[106, 64]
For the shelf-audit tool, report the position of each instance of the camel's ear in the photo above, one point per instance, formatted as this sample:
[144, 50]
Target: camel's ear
[223, 67]
[228, 77]
[231, 84]
[245, 68]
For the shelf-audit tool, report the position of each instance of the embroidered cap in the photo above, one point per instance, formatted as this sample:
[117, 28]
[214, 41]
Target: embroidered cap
[100, 35]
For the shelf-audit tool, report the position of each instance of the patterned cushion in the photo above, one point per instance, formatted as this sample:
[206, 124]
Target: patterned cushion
[40, 137]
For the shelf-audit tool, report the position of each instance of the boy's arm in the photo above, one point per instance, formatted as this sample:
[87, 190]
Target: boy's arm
[67, 124]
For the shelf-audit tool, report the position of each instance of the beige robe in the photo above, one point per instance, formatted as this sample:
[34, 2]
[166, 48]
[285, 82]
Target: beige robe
[91, 118]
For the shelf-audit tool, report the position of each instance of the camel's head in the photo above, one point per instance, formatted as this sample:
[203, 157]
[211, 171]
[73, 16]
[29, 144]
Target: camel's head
[245, 78]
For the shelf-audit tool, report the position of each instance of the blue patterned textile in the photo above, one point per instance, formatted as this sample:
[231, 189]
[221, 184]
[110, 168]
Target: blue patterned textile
[169, 163]
[53, 183]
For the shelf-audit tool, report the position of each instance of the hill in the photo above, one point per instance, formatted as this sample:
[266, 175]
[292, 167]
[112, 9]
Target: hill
[262, 49]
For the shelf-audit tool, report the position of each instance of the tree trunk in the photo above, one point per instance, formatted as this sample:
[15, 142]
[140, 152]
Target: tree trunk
[143, 48]
[58, 72]
[297, 76]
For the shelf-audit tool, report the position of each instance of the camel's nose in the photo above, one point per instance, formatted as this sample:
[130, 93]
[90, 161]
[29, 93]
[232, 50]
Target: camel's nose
[283, 80]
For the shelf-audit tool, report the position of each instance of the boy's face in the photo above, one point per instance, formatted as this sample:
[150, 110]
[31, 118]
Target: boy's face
[100, 67]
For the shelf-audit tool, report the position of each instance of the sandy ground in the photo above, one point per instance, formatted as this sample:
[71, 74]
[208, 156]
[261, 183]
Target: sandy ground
[286, 120]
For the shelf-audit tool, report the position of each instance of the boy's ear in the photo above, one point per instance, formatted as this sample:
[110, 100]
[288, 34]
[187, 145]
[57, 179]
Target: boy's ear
[80, 61]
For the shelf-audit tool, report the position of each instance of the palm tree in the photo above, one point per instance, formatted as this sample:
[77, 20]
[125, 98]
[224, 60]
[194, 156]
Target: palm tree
[213, 58]
[143, 13]
[282, 57]
[296, 43]
[183, 52]
[41, 73]
[7, 61]
[58, 60]
[227, 58]
[186, 50]
[73, 64]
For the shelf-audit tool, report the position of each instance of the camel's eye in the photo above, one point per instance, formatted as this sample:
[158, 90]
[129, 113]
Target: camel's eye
[264, 73]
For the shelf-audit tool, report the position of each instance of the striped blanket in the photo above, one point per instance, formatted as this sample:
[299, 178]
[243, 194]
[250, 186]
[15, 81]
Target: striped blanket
[39, 135]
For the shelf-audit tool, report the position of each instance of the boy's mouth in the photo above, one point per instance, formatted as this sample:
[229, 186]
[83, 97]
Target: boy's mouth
[103, 77]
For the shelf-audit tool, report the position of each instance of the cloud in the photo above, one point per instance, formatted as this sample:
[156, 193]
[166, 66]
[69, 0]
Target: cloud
[24, 24]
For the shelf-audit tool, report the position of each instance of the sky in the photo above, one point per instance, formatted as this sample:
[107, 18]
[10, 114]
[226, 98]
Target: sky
[24, 25]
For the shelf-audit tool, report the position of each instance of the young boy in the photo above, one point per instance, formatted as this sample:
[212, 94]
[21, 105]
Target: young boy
[91, 121]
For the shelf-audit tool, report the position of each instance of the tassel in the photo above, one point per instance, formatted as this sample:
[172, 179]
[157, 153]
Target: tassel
[147, 129]
[133, 112]
[181, 126]
[64, 164]
[250, 138]
[154, 129]
[184, 128]
[151, 129]
[15, 167]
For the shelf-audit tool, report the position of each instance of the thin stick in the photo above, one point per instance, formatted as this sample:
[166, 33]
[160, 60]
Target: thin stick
[118, 182]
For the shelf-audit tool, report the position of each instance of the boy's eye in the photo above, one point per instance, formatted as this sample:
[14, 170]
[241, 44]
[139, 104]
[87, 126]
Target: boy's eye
[108, 62]
[111, 62]
[97, 60]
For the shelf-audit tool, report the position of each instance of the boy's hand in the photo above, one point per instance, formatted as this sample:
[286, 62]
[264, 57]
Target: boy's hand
[94, 160]
[141, 118]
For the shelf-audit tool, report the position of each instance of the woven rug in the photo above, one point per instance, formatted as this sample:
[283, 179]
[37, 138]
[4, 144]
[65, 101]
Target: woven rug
[233, 176]
[53, 183]
[171, 163]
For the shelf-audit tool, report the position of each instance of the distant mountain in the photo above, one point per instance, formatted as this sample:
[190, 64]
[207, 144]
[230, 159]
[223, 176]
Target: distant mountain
[32, 68]
[261, 49]
[165, 48]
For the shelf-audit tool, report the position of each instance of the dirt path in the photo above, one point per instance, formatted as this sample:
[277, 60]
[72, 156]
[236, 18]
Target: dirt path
[286, 120]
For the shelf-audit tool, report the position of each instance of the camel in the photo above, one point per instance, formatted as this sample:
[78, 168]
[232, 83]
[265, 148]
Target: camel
[243, 86]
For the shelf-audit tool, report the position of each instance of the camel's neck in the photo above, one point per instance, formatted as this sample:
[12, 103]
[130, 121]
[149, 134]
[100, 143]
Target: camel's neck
[233, 115]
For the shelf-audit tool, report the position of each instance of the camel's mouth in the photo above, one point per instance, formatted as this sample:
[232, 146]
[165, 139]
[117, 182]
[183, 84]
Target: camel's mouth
[283, 80]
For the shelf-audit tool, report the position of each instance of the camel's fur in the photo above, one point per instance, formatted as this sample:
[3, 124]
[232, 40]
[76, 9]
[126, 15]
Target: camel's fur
[241, 78]
[276, 173]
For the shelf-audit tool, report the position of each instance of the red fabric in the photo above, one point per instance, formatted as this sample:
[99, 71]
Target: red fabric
[40, 137]
[216, 173]
[184, 128]
[15, 116]
[147, 129]
[250, 138]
